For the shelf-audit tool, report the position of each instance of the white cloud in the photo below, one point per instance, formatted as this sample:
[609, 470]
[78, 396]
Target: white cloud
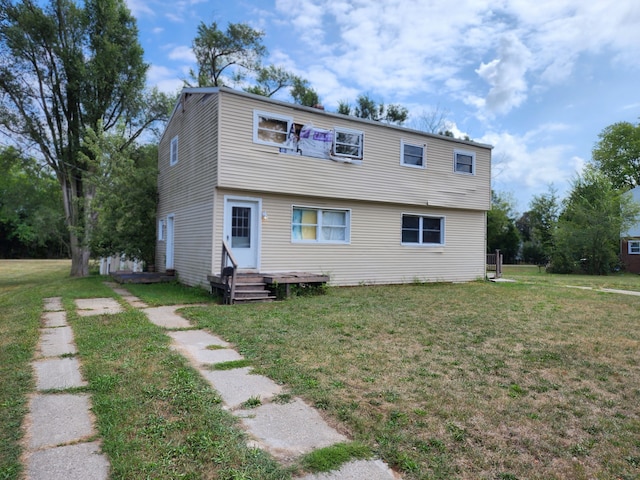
[139, 8]
[525, 165]
[506, 75]
[182, 53]
[166, 79]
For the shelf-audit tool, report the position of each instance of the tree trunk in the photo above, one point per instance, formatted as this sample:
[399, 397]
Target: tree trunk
[75, 224]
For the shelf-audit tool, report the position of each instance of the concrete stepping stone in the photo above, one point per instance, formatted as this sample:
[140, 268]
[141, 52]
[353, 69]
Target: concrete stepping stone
[82, 461]
[197, 339]
[58, 373]
[53, 304]
[289, 430]
[357, 470]
[56, 419]
[238, 385]
[98, 306]
[166, 317]
[56, 341]
[55, 319]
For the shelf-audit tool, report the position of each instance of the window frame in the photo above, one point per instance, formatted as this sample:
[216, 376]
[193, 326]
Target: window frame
[349, 131]
[421, 230]
[275, 116]
[633, 245]
[423, 146]
[466, 153]
[173, 151]
[319, 225]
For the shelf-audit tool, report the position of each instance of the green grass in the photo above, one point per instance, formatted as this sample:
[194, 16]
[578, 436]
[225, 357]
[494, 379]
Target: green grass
[481, 380]
[156, 416]
[332, 457]
[173, 293]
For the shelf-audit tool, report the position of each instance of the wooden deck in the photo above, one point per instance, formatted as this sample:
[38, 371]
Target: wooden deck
[262, 286]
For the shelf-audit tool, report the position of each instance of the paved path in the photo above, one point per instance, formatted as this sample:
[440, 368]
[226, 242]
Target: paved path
[60, 436]
[59, 433]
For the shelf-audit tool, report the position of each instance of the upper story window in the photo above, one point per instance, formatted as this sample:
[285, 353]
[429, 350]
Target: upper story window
[271, 129]
[413, 155]
[173, 158]
[320, 225]
[348, 143]
[464, 162]
[634, 247]
[419, 230]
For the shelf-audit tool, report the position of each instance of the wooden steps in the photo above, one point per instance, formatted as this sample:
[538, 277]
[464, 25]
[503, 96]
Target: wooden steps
[258, 287]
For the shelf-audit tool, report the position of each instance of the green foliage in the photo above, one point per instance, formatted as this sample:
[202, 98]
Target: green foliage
[617, 154]
[126, 197]
[538, 226]
[332, 458]
[66, 68]
[238, 50]
[502, 233]
[31, 213]
[303, 94]
[367, 107]
[589, 228]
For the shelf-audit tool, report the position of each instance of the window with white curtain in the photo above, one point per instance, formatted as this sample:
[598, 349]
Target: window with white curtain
[320, 225]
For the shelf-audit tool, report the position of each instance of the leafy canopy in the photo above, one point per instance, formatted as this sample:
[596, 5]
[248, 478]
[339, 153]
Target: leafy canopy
[617, 154]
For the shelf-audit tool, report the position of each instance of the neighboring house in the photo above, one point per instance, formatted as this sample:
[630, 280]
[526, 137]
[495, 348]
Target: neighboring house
[298, 189]
[630, 242]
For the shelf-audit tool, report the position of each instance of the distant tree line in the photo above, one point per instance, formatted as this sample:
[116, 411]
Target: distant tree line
[582, 233]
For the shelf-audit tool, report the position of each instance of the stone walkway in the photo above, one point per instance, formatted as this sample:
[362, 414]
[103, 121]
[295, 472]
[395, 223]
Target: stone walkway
[60, 439]
[59, 427]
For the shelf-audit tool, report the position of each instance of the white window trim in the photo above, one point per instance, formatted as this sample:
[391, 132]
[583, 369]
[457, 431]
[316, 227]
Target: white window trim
[161, 230]
[413, 144]
[173, 151]
[275, 116]
[473, 161]
[629, 249]
[337, 130]
[443, 222]
[346, 241]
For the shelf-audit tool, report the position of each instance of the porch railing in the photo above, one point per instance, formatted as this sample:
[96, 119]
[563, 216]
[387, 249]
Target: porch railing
[494, 263]
[228, 272]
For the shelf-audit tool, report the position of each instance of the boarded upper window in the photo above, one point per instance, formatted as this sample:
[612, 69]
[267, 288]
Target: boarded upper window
[271, 129]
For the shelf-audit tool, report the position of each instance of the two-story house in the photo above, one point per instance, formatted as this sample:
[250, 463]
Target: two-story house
[298, 189]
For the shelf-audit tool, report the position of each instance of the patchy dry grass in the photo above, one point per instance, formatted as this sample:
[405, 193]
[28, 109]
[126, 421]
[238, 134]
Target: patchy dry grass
[461, 381]
[498, 381]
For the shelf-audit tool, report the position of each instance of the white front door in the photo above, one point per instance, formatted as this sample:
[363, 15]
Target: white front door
[169, 242]
[241, 230]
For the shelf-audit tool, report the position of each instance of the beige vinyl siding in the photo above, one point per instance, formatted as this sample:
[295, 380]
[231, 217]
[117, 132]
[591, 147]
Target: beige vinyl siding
[186, 189]
[375, 253]
[380, 177]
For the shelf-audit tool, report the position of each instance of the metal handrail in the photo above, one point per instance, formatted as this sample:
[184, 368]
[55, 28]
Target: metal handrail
[227, 255]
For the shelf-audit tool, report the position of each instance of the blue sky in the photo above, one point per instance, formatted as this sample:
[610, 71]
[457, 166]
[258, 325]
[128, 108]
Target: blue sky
[538, 80]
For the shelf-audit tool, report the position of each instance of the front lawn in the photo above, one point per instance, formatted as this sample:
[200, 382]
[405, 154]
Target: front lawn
[481, 380]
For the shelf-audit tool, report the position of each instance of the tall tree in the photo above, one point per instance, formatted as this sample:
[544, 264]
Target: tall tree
[588, 234]
[65, 68]
[502, 232]
[542, 221]
[617, 154]
[238, 51]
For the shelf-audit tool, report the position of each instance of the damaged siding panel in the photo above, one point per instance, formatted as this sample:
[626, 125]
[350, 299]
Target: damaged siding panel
[379, 176]
[187, 188]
